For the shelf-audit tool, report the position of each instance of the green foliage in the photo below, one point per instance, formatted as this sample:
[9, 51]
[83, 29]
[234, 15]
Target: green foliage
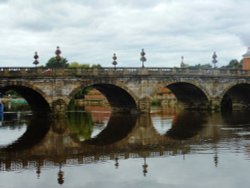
[77, 65]
[156, 102]
[81, 125]
[233, 64]
[199, 66]
[12, 93]
[96, 66]
[53, 63]
[83, 66]
[17, 105]
[82, 92]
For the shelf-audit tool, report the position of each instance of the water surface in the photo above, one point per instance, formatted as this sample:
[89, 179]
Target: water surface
[100, 149]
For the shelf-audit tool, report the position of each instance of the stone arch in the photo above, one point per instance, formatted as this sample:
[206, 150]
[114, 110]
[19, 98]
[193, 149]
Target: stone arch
[189, 94]
[119, 96]
[34, 96]
[236, 96]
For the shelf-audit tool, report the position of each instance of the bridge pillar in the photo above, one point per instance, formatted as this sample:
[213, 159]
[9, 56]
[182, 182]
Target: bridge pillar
[215, 104]
[59, 107]
[144, 105]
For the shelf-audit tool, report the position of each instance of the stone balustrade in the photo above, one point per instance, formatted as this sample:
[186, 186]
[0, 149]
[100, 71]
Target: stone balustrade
[121, 71]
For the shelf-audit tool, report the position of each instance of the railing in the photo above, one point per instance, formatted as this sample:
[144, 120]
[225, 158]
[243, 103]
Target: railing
[121, 71]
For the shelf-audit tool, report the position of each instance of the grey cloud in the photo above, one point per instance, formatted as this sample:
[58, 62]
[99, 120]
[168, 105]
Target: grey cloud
[245, 37]
[4, 1]
[93, 30]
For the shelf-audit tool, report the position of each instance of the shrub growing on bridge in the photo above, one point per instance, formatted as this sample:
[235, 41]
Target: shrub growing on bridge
[53, 63]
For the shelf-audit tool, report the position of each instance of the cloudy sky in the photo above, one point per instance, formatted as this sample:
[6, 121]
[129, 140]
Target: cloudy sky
[90, 31]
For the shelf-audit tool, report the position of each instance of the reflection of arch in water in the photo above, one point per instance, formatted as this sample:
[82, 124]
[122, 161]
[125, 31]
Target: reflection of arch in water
[118, 127]
[186, 125]
[162, 124]
[240, 118]
[36, 131]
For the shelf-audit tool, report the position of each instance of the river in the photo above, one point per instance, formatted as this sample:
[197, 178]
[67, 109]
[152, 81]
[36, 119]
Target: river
[99, 149]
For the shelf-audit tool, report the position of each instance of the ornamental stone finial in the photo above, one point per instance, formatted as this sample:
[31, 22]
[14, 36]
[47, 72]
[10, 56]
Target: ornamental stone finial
[143, 58]
[36, 62]
[114, 60]
[58, 53]
[214, 61]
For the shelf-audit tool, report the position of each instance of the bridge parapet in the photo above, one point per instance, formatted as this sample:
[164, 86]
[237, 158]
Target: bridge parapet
[121, 71]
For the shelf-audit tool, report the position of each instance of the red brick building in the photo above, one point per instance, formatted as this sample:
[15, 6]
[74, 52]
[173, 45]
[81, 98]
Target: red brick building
[246, 60]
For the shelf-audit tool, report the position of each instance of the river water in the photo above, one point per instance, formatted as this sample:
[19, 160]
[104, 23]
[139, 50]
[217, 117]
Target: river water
[100, 149]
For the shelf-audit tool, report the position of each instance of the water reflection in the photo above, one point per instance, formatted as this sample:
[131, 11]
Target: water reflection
[36, 129]
[14, 133]
[81, 125]
[121, 129]
[118, 127]
[79, 139]
[240, 118]
[187, 124]
[76, 131]
[13, 125]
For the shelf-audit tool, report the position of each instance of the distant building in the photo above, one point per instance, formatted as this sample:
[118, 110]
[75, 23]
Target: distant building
[183, 65]
[166, 97]
[95, 97]
[246, 60]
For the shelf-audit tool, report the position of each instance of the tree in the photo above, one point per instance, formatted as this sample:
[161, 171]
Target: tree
[83, 66]
[199, 66]
[53, 63]
[233, 64]
[96, 66]
[82, 93]
[77, 65]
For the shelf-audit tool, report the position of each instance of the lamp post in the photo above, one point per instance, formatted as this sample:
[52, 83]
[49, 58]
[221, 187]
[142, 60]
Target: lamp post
[114, 60]
[214, 57]
[36, 62]
[143, 58]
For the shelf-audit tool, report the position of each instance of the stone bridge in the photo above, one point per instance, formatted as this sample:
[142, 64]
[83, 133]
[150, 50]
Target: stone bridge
[129, 89]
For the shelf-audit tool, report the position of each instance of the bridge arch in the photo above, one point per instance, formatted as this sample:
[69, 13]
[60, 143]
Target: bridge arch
[189, 95]
[120, 98]
[34, 96]
[236, 97]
